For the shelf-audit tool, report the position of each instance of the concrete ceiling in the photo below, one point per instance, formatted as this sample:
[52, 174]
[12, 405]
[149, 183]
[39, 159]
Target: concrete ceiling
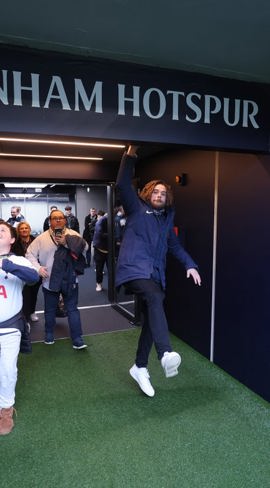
[229, 38]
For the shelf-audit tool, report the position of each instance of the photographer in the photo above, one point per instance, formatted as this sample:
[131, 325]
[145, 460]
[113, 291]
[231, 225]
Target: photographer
[57, 254]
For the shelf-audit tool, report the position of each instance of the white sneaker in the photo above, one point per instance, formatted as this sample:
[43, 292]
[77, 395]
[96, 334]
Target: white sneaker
[34, 317]
[142, 377]
[170, 362]
[98, 287]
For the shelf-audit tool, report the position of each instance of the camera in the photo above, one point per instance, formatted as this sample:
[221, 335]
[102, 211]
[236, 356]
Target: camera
[58, 232]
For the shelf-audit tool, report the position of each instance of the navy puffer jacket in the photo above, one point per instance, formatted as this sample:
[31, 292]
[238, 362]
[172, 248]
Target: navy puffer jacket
[148, 236]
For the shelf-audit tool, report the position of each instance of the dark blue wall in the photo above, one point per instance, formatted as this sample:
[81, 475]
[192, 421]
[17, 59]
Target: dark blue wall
[242, 325]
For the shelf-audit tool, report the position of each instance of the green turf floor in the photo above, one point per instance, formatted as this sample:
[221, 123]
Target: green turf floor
[82, 422]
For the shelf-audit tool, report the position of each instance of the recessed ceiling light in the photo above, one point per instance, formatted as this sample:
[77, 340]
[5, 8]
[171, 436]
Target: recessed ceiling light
[25, 185]
[78, 158]
[63, 143]
[21, 195]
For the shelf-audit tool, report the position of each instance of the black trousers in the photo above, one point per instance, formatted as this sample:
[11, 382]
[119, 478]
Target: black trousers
[100, 259]
[30, 294]
[88, 253]
[154, 327]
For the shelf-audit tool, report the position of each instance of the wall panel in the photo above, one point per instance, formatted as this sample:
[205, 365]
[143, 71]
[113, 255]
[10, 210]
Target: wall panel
[242, 332]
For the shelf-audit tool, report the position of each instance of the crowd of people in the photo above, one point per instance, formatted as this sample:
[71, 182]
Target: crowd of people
[144, 234]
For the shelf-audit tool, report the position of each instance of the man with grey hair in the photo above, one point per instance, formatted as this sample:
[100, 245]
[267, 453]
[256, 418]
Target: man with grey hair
[57, 256]
[16, 216]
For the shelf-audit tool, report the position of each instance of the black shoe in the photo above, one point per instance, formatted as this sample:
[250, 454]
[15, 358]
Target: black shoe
[49, 339]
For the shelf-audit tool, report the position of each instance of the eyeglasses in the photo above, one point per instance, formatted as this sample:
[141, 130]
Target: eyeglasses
[58, 218]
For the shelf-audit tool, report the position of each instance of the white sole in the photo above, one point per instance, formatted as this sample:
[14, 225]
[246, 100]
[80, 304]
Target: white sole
[172, 365]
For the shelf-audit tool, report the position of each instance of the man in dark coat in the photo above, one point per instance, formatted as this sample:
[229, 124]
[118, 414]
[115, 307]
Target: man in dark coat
[16, 216]
[148, 237]
[46, 223]
[88, 233]
[71, 221]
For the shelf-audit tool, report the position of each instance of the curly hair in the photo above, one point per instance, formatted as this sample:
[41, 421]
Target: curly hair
[146, 192]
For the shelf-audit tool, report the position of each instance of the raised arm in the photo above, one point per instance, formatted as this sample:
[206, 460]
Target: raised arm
[124, 185]
[25, 271]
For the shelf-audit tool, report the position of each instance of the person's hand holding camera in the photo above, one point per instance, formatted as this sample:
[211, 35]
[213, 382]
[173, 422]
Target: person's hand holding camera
[59, 237]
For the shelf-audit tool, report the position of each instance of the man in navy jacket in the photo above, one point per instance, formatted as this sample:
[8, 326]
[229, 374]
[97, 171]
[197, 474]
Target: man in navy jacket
[148, 237]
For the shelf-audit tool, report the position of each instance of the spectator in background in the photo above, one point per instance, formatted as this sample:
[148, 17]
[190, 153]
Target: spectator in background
[57, 255]
[20, 215]
[100, 243]
[30, 293]
[119, 227]
[16, 216]
[71, 221]
[46, 224]
[88, 233]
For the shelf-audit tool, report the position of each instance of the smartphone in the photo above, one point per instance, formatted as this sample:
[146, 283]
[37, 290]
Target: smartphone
[58, 232]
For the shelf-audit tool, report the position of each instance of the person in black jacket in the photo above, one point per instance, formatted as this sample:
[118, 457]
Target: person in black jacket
[119, 228]
[88, 233]
[71, 221]
[46, 223]
[100, 243]
[141, 264]
[16, 216]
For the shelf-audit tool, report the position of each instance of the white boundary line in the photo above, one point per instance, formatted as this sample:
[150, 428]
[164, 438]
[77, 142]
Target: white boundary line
[94, 306]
